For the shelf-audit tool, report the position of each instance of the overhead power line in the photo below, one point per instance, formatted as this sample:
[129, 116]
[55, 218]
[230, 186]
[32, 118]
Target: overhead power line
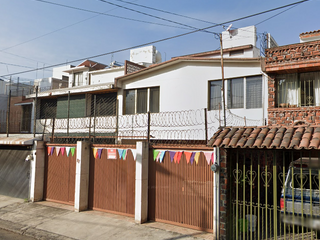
[106, 14]
[160, 10]
[160, 40]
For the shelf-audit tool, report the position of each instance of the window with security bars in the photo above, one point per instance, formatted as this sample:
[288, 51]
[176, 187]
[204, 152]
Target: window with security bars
[298, 89]
[48, 108]
[77, 106]
[104, 104]
[254, 92]
[141, 100]
[235, 93]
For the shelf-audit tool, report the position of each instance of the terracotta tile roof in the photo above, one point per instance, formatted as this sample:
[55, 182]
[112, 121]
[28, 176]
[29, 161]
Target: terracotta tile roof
[271, 137]
[312, 32]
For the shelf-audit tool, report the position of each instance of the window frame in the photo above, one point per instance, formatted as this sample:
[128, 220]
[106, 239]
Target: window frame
[148, 99]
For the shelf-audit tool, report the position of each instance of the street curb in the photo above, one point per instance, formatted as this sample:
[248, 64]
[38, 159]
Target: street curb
[31, 231]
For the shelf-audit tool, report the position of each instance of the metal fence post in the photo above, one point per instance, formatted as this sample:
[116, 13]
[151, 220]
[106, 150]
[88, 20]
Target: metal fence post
[148, 137]
[206, 123]
[68, 113]
[8, 113]
[35, 112]
[94, 117]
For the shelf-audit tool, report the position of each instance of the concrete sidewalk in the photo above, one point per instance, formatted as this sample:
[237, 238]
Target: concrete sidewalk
[47, 220]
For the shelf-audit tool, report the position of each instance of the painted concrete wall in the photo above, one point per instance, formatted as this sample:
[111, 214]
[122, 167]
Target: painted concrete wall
[106, 75]
[185, 86]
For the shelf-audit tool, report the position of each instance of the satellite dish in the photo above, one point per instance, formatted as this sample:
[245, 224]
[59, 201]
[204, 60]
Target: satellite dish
[229, 27]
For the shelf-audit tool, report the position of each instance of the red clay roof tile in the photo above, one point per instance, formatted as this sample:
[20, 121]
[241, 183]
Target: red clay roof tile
[284, 137]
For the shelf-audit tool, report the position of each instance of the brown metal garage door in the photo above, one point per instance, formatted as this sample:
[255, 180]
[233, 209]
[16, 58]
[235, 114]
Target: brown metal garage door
[181, 193]
[60, 177]
[112, 184]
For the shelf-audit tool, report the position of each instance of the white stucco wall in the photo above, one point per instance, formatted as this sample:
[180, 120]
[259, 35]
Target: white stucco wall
[184, 86]
[106, 75]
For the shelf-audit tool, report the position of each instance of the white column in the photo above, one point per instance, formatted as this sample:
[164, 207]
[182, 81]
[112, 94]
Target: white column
[37, 171]
[82, 176]
[141, 186]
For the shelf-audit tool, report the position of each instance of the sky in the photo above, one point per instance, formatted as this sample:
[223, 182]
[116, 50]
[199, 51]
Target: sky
[36, 33]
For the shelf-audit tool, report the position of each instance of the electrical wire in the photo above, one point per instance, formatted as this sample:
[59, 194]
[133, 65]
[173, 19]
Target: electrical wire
[106, 14]
[150, 15]
[159, 10]
[161, 40]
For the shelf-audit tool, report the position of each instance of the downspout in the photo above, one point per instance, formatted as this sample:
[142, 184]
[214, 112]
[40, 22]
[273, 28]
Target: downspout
[216, 196]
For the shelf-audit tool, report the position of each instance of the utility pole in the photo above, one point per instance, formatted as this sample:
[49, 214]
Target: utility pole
[223, 88]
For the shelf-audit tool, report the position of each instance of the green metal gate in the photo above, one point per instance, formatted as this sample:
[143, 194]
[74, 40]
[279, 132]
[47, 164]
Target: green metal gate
[274, 194]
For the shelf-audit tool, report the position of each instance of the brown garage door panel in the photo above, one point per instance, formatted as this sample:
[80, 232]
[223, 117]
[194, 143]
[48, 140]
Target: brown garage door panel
[60, 177]
[181, 193]
[112, 184]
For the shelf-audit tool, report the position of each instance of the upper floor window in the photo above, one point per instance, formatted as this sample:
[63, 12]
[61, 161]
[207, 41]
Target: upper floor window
[240, 93]
[77, 79]
[298, 89]
[141, 100]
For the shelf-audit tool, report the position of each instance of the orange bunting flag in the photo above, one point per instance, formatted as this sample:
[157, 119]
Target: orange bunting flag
[49, 150]
[196, 157]
[177, 157]
[188, 156]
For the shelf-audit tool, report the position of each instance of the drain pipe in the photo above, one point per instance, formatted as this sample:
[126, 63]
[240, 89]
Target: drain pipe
[216, 194]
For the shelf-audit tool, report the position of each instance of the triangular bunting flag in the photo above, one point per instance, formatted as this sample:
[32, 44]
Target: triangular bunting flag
[99, 152]
[162, 156]
[208, 156]
[57, 150]
[112, 153]
[49, 150]
[172, 154]
[62, 150]
[188, 156]
[192, 157]
[158, 156]
[196, 157]
[179, 157]
[73, 150]
[124, 154]
[68, 151]
[95, 150]
[120, 153]
[155, 154]
[134, 154]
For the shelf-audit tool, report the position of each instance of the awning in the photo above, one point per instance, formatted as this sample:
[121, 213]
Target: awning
[270, 137]
[21, 139]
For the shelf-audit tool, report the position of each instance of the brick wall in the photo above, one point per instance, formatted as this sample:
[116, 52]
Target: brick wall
[293, 57]
[131, 67]
[289, 116]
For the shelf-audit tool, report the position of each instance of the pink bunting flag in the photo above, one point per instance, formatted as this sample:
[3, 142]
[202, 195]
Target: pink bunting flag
[188, 156]
[208, 156]
[57, 150]
[213, 157]
[62, 150]
[49, 150]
